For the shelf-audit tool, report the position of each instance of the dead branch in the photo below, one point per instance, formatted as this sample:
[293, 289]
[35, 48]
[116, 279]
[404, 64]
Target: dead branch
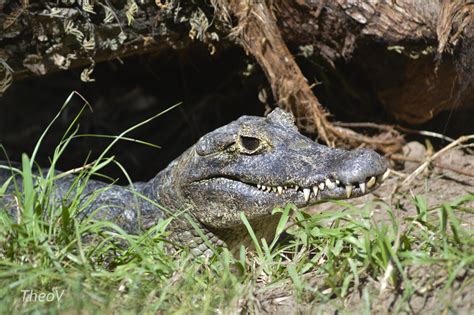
[430, 159]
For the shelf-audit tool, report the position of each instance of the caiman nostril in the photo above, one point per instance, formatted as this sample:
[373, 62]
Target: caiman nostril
[359, 166]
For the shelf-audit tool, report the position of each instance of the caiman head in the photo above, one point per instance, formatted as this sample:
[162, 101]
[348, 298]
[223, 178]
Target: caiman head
[256, 164]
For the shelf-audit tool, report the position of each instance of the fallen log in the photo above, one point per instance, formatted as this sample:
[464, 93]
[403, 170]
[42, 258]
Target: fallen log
[432, 42]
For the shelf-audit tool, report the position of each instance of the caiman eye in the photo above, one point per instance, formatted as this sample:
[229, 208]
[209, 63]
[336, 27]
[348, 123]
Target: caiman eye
[249, 143]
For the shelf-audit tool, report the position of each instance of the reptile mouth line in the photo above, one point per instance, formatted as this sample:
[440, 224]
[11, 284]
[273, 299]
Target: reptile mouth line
[312, 192]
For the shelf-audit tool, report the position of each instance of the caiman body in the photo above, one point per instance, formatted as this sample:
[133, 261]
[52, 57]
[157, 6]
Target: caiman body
[251, 165]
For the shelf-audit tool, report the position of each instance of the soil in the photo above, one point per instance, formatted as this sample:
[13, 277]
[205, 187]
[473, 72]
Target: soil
[438, 186]
[212, 98]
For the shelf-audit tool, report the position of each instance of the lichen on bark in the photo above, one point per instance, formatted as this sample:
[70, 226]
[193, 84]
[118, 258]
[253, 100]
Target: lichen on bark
[48, 36]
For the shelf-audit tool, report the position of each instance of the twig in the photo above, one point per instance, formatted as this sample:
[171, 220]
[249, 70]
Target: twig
[399, 174]
[389, 128]
[400, 157]
[393, 128]
[430, 159]
[425, 133]
[114, 14]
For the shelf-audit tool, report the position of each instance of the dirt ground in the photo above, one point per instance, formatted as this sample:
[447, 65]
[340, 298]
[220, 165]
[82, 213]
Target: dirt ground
[438, 185]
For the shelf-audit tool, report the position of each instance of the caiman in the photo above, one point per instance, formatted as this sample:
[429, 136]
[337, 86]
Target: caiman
[252, 165]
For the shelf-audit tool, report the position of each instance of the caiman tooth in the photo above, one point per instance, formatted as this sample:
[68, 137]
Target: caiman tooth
[315, 191]
[349, 190]
[338, 181]
[280, 190]
[386, 174]
[285, 187]
[264, 187]
[269, 189]
[297, 187]
[321, 186]
[274, 189]
[362, 187]
[371, 182]
[306, 193]
[259, 186]
[330, 184]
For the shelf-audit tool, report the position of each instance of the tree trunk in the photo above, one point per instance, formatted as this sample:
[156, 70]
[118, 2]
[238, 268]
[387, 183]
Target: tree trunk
[433, 38]
[421, 30]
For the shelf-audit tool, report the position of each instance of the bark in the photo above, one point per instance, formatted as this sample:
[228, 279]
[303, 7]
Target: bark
[334, 28]
[47, 36]
[423, 31]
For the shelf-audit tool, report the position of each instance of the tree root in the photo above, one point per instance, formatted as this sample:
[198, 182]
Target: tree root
[258, 33]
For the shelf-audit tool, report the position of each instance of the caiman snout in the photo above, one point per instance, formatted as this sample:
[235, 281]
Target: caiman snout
[360, 166]
[256, 164]
[333, 174]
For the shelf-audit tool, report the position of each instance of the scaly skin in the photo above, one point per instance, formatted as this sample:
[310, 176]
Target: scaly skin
[251, 165]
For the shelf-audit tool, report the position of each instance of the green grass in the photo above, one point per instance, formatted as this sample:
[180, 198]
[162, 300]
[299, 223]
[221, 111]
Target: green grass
[324, 261]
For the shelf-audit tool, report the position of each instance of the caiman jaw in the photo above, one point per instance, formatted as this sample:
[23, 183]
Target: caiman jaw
[255, 165]
[334, 188]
